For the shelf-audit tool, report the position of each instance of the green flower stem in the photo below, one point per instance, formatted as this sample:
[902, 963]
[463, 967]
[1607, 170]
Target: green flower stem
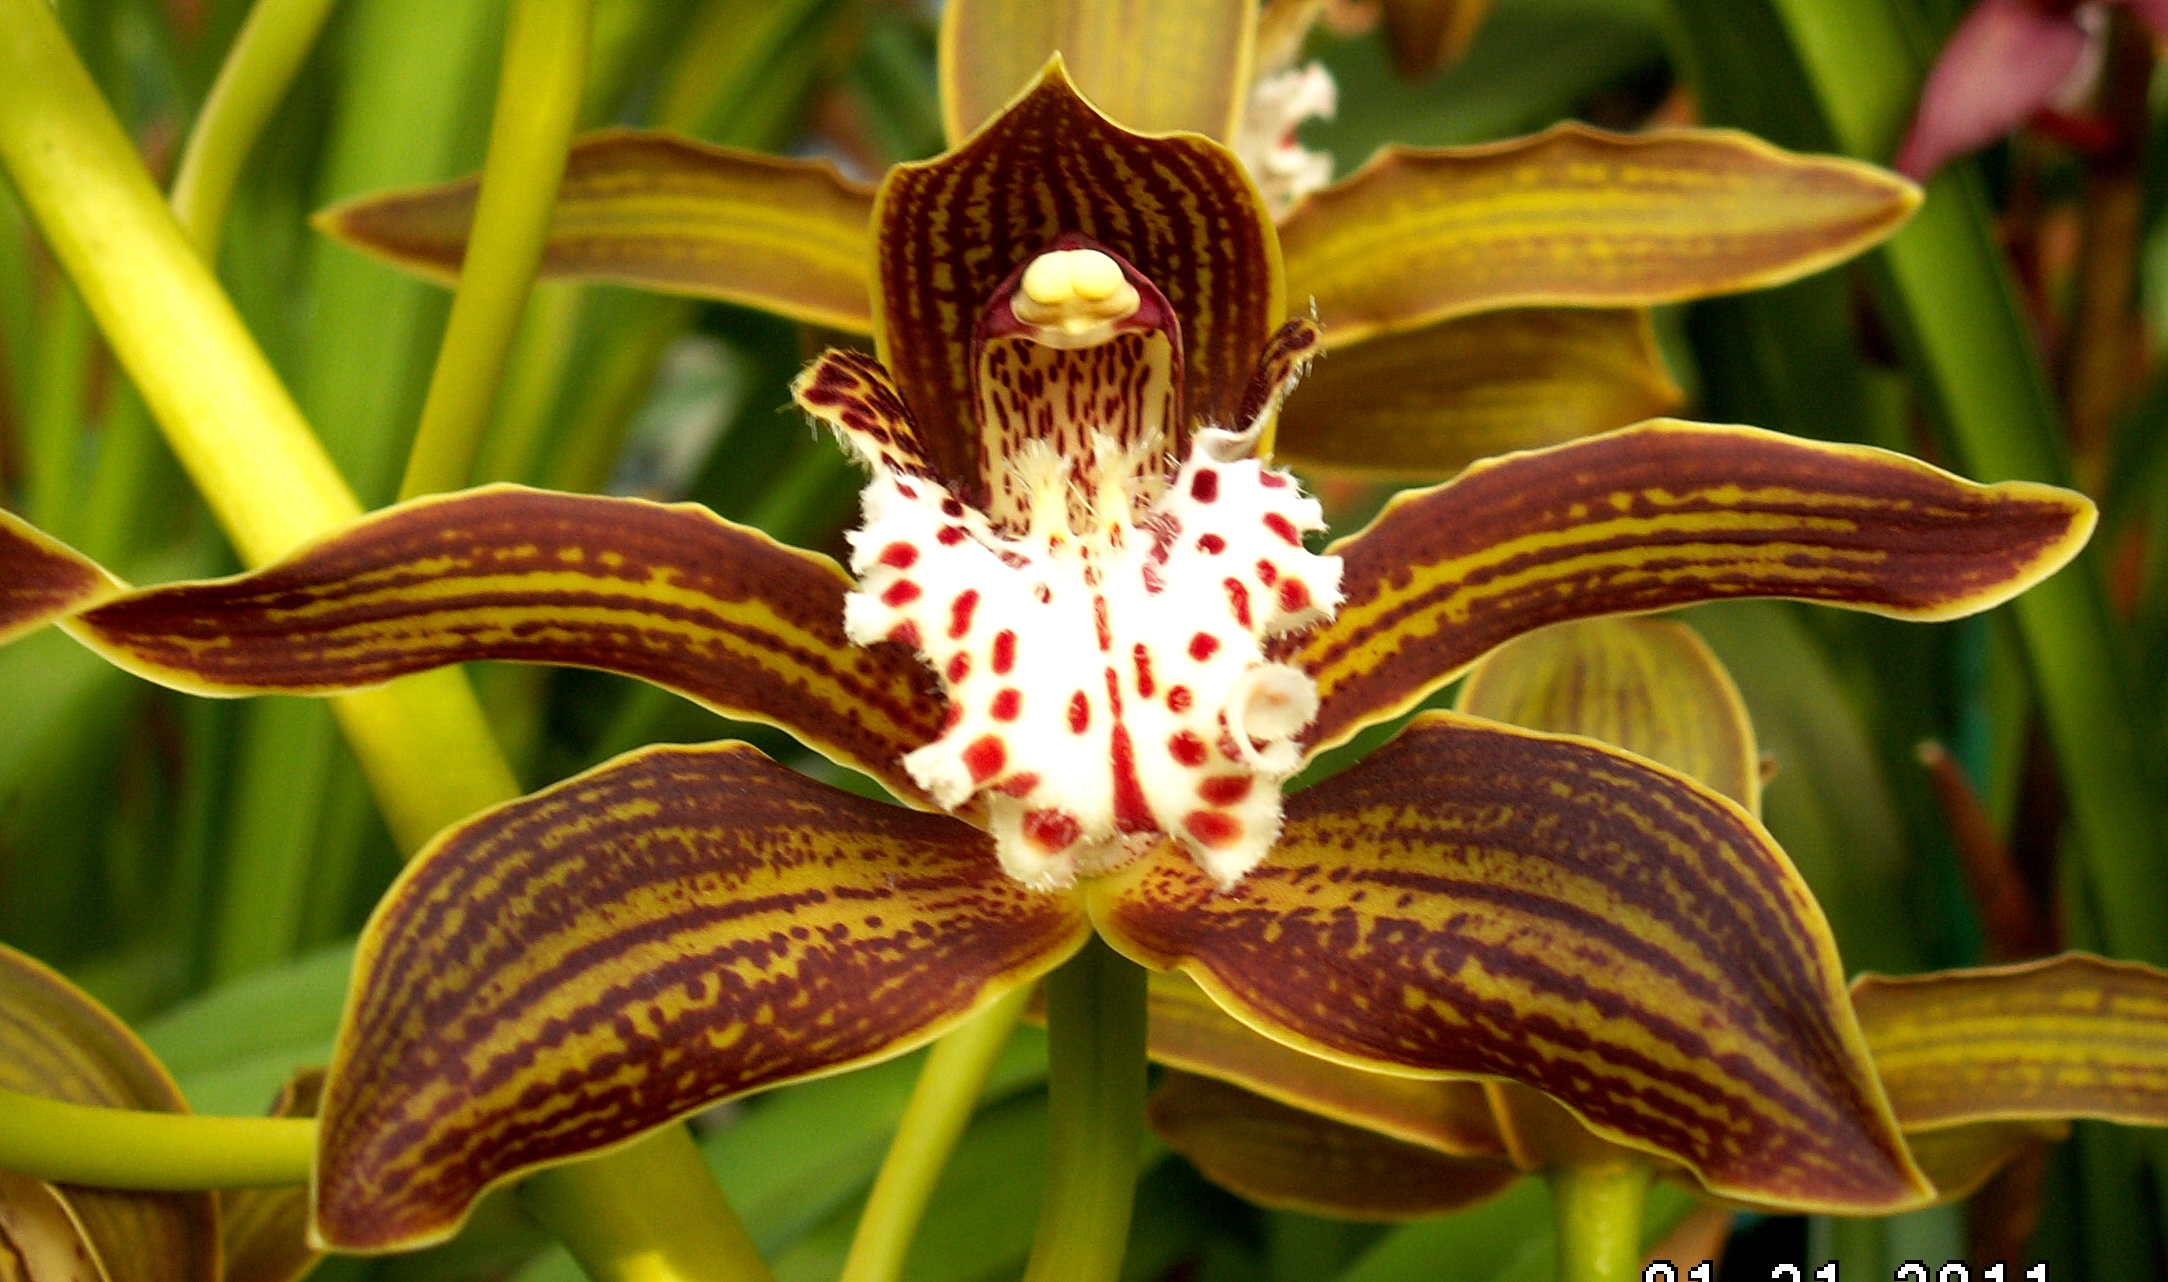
[942, 1102]
[1094, 1115]
[228, 418]
[1597, 1209]
[133, 1149]
[428, 753]
[53, 427]
[106, 531]
[538, 101]
[1968, 341]
[261, 65]
[648, 1212]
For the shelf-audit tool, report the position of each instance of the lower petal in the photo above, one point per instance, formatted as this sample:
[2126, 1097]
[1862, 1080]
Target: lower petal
[575, 968]
[1475, 899]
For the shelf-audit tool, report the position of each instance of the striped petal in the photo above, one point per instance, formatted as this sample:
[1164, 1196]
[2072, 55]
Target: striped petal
[57, 1042]
[1650, 687]
[683, 925]
[661, 212]
[42, 580]
[1474, 899]
[1189, 1031]
[266, 1230]
[1287, 1158]
[672, 594]
[1659, 515]
[1178, 209]
[1580, 217]
[1423, 404]
[2067, 1037]
[1156, 66]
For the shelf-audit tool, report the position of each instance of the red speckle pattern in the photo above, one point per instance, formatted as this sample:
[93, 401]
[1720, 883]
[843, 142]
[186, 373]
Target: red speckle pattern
[1004, 652]
[1224, 790]
[901, 593]
[1283, 527]
[1204, 486]
[1007, 704]
[1211, 544]
[1184, 746]
[985, 756]
[1203, 646]
[1179, 699]
[1080, 713]
[1211, 827]
[960, 611]
[899, 556]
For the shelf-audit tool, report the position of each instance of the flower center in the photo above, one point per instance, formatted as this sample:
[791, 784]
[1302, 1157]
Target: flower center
[1099, 625]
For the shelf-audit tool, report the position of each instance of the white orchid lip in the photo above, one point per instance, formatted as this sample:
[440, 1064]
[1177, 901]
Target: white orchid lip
[1096, 609]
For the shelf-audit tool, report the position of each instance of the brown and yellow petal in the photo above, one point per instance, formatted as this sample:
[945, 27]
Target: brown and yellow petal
[1179, 209]
[1580, 217]
[2067, 1037]
[669, 593]
[1422, 404]
[1661, 515]
[1189, 1031]
[1427, 36]
[661, 212]
[1156, 66]
[1474, 899]
[59, 1043]
[682, 925]
[1645, 685]
[1287, 1158]
[43, 580]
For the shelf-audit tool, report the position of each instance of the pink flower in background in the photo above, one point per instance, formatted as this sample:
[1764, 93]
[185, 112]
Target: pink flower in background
[2006, 61]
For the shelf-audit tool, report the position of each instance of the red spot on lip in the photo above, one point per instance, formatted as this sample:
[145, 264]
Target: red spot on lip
[1007, 704]
[1267, 573]
[959, 667]
[1004, 652]
[1210, 827]
[1283, 527]
[1052, 831]
[1185, 747]
[951, 716]
[1224, 790]
[900, 555]
[959, 614]
[1211, 544]
[1100, 624]
[1294, 595]
[900, 593]
[905, 633]
[951, 509]
[950, 535]
[1145, 684]
[1179, 699]
[1018, 785]
[985, 756]
[1080, 713]
[1203, 646]
[1204, 486]
[1131, 814]
[906, 491]
[1272, 480]
[1238, 600]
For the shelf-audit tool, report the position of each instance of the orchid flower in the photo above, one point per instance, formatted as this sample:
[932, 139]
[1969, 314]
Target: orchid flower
[1083, 643]
[1978, 1064]
[1477, 300]
[2008, 60]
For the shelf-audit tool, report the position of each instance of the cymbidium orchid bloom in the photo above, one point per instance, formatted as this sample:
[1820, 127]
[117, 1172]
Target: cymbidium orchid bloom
[1978, 1064]
[1083, 643]
[1477, 300]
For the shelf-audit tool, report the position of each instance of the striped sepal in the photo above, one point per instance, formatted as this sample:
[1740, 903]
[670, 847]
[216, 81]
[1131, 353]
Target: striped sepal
[672, 594]
[1474, 899]
[1294, 1160]
[1156, 66]
[56, 1041]
[1577, 216]
[1659, 515]
[680, 926]
[1645, 685]
[1189, 1031]
[42, 580]
[664, 212]
[2067, 1037]
[1179, 209]
[1422, 405]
